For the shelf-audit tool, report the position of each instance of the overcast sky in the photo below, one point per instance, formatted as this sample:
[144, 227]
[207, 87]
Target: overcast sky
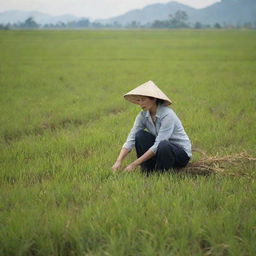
[93, 9]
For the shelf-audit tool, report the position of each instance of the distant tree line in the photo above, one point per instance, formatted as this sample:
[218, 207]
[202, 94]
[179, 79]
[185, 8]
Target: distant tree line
[178, 20]
[175, 21]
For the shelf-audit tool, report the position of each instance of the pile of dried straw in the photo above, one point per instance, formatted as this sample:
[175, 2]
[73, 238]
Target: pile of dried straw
[216, 164]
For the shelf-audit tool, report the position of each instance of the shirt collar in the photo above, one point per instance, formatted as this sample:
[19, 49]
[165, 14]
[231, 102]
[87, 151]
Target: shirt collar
[159, 112]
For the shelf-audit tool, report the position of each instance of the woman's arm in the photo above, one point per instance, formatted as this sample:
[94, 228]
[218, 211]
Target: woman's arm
[130, 141]
[123, 153]
[137, 126]
[147, 155]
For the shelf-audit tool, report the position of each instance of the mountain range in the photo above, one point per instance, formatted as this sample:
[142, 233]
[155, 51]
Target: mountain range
[150, 13]
[15, 16]
[233, 12]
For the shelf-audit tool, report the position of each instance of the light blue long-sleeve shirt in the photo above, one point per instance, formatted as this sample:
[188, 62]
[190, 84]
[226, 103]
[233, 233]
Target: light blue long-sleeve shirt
[167, 126]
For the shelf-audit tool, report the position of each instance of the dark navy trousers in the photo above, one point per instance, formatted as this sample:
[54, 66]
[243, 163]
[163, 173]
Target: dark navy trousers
[168, 155]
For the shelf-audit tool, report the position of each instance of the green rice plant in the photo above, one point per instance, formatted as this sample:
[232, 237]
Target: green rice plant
[63, 122]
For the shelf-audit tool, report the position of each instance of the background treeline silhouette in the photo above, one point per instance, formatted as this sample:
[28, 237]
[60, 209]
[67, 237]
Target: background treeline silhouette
[175, 21]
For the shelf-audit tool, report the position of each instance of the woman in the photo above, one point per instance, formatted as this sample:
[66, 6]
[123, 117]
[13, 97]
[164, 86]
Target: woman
[164, 144]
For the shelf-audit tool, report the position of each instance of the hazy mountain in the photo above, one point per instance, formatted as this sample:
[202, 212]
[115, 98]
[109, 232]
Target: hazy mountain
[232, 12]
[15, 16]
[151, 13]
[226, 11]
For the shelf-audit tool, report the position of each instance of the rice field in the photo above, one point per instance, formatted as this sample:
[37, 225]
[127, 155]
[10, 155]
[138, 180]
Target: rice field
[64, 120]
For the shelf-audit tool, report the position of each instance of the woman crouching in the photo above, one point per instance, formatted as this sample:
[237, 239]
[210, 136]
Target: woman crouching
[158, 135]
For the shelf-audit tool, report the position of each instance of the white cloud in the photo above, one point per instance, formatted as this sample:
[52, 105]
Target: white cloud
[90, 8]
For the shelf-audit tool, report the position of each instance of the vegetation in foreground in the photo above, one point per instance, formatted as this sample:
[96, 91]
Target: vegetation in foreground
[63, 121]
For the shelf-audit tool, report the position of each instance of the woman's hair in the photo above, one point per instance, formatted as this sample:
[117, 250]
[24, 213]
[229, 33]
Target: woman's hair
[158, 101]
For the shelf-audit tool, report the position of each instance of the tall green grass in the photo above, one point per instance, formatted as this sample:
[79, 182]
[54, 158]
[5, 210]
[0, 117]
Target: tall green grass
[63, 122]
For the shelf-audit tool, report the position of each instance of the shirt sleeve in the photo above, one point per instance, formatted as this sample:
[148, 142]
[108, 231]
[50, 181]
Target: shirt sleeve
[165, 131]
[137, 126]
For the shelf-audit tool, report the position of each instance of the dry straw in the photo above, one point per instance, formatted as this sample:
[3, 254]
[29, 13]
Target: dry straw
[216, 164]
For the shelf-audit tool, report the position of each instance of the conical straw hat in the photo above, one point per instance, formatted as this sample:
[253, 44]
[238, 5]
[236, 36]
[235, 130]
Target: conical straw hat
[147, 89]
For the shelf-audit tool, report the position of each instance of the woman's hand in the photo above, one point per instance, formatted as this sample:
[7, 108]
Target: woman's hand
[131, 167]
[116, 166]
